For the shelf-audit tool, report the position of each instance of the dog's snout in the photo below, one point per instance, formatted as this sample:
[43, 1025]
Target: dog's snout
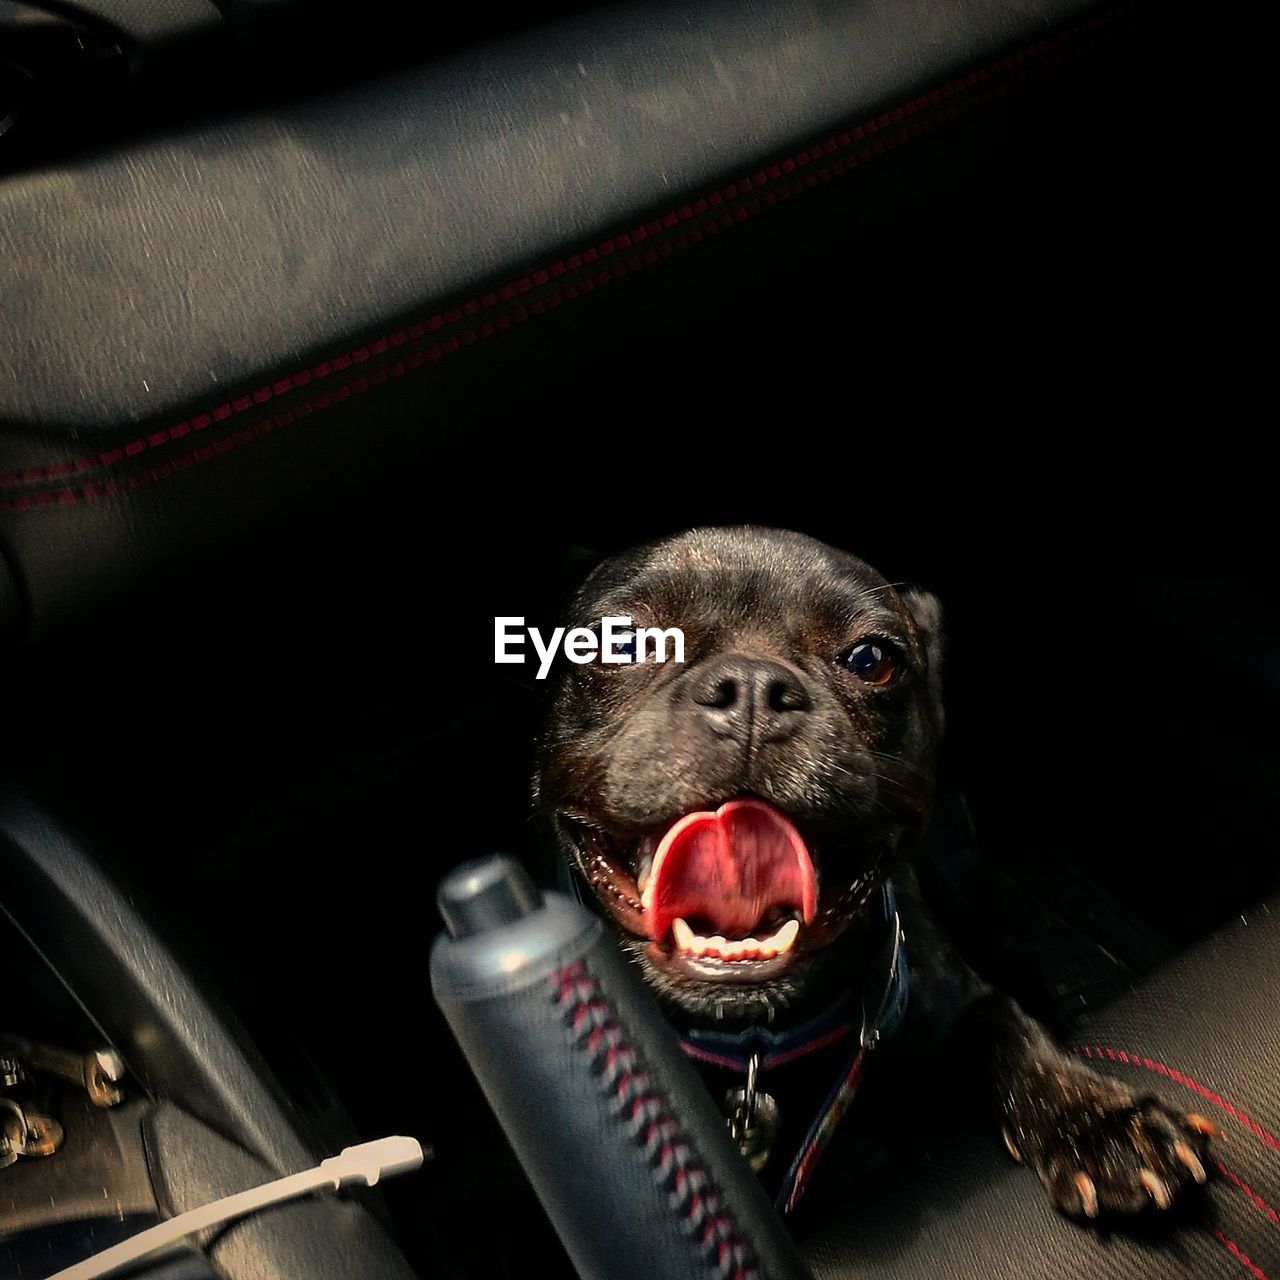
[747, 699]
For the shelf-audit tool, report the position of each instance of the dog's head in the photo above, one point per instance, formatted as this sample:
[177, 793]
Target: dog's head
[734, 813]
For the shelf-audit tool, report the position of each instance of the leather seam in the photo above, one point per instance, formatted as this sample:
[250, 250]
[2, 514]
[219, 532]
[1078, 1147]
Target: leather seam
[648, 1121]
[1237, 1252]
[700, 219]
[1099, 1052]
[1248, 1192]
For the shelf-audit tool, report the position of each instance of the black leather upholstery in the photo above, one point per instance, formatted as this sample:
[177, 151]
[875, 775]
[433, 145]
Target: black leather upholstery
[174, 303]
[343, 212]
[1202, 1033]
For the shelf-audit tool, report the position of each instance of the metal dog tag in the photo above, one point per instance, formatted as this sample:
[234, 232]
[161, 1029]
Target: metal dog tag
[756, 1134]
[753, 1118]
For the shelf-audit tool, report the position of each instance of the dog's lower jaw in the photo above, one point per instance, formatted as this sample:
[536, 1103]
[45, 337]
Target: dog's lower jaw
[693, 1001]
[811, 983]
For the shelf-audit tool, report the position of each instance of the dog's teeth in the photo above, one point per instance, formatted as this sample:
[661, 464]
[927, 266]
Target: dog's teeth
[785, 938]
[723, 948]
[642, 880]
[651, 865]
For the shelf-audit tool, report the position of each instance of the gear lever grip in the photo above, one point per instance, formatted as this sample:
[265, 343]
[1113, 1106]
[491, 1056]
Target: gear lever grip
[620, 1138]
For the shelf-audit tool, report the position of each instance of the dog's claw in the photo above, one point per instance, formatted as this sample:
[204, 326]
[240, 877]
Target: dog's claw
[1192, 1161]
[1202, 1124]
[1156, 1188]
[1010, 1145]
[1088, 1195]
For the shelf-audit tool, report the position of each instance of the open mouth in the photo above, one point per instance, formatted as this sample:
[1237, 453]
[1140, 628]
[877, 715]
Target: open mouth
[729, 895]
[731, 886]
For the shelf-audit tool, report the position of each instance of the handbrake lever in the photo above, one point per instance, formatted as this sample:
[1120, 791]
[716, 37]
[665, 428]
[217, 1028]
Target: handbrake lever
[621, 1140]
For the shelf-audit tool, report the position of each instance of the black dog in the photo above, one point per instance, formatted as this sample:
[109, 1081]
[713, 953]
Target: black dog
[739, 815]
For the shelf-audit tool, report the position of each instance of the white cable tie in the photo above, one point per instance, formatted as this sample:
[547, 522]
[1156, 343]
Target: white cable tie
[365, 1164]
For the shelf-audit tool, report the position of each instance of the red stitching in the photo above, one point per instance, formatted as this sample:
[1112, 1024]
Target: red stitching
[732, 193]
[1234, 1249]
[1247, 1191]
[693, 1194]
[780, 1060]
[1135, 1060]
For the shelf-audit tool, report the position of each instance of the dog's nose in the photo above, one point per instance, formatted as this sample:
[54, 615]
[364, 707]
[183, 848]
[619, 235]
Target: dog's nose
[750, 699]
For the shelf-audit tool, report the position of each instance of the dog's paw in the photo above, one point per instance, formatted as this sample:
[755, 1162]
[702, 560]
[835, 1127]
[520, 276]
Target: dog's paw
[1098, 1148]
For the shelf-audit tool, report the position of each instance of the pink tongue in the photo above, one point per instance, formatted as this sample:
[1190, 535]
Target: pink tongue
[726, 869]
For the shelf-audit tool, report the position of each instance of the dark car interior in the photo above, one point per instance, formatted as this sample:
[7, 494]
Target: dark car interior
[329, 336]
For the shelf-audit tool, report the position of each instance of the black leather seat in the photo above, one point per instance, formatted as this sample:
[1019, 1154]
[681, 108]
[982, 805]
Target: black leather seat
[1202, 1033]
[264, 305]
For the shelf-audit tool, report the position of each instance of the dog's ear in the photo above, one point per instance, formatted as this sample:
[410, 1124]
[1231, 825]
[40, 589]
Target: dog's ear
[926, 613]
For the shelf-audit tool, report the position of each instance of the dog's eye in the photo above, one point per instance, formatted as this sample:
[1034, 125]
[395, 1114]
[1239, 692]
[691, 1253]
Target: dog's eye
[872, 661]
[624, 645]
[618, 646]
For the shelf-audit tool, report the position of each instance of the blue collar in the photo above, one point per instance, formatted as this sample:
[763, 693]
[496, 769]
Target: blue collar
[876, 1009]
[867, 1015]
